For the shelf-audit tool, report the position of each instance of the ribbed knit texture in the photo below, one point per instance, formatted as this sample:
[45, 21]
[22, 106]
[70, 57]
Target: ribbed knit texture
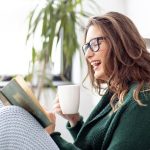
[20, 131]
[1, 105]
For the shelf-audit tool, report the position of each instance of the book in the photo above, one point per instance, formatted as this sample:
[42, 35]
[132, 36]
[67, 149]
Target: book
[17, 92]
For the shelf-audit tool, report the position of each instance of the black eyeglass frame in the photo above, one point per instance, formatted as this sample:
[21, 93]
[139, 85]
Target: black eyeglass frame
[88, 45]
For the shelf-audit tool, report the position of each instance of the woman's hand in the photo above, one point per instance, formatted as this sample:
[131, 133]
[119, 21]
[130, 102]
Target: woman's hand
[51, 128]
[72, 118]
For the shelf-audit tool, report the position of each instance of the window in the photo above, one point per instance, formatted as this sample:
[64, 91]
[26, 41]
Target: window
[15, 56]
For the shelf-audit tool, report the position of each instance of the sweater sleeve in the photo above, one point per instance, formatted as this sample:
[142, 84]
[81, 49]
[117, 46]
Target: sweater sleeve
[63, 144]
[75, 130]
[133, 129]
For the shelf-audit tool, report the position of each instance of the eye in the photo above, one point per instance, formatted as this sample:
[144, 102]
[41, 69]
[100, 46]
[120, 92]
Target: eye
[93, 42]
[94, 46]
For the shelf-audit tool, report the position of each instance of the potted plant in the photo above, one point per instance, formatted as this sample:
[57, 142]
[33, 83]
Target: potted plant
[54, 20]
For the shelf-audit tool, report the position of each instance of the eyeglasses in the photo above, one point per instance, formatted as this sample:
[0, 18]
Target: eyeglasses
[93, 44]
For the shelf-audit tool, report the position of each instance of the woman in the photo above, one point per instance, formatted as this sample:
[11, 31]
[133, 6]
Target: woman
[116, 54]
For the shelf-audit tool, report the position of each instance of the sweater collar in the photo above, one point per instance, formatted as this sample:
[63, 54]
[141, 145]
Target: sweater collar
[102, 108]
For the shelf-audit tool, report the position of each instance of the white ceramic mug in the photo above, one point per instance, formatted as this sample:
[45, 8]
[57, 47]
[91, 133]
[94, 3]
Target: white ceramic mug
[69, 98]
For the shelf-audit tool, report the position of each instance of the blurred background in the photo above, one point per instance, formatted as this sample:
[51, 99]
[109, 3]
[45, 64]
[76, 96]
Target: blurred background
[23, 52]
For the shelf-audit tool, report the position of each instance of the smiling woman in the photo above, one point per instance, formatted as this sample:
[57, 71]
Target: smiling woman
[96, 53]
[122, 62]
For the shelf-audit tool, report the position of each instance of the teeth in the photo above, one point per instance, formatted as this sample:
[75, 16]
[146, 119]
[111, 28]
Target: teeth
[94, 63]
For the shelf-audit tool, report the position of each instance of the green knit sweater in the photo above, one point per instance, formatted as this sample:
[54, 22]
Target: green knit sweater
[126, 129]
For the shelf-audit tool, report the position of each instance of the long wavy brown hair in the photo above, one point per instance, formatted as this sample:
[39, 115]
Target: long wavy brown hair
[127, 61]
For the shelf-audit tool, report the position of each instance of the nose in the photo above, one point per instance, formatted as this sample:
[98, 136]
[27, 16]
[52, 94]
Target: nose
[89, 53]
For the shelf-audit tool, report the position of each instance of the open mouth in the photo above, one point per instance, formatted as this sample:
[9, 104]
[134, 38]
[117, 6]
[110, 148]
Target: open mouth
[95, 64]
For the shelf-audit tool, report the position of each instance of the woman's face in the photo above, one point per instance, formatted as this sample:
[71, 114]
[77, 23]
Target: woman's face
[96, 59]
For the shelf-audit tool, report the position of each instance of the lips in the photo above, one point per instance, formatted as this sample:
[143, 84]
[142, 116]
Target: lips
[95, 64]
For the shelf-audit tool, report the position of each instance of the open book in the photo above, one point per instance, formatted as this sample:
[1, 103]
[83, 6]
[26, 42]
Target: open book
[17, 92]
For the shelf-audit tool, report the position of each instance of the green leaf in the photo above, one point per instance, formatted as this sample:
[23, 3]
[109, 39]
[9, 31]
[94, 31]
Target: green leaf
[30, 17]
[33, 55]
[50, 20]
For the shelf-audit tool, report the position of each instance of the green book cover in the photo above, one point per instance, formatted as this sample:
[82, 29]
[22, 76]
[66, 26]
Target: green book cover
[17, 92]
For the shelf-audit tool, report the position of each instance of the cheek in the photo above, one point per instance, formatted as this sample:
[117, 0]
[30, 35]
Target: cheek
[104, 49]
[104, 55]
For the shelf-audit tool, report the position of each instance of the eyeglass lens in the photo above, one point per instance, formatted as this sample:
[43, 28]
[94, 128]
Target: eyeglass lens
[93, 44]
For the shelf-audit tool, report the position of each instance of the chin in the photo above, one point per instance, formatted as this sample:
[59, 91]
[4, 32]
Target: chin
[97, 76]
[100, 76]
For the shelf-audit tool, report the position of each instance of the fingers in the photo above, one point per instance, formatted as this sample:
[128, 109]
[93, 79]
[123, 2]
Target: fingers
[56, 107]
[50, 129]
[56, 99]
[52, 116]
